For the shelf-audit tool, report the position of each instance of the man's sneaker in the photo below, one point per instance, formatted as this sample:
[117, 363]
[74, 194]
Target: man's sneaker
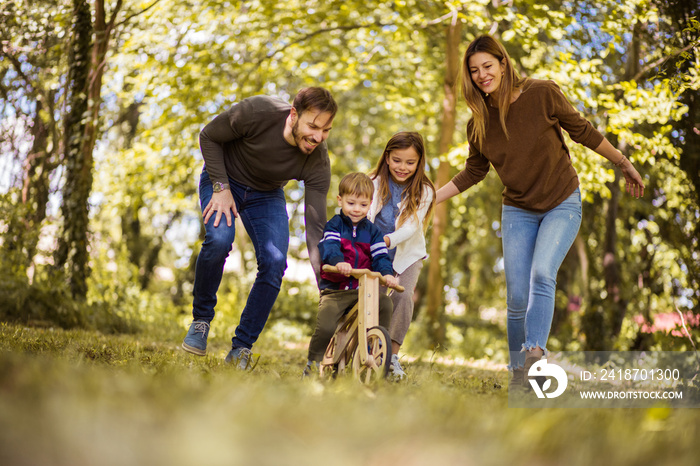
[196, 338]
[396, 372]
[241, 358]
[312, 369]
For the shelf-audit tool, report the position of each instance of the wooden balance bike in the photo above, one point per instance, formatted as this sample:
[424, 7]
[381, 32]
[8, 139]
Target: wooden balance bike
[359, 339]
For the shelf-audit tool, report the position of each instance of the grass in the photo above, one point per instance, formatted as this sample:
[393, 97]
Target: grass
[74, 397]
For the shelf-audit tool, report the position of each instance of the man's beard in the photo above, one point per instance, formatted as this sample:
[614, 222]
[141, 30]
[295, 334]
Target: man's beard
[299, 140]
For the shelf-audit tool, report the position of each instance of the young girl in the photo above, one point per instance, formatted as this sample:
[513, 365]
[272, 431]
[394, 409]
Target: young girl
[403, 199]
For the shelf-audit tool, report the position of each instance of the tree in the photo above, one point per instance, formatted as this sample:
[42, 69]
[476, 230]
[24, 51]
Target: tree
[29, 65]
[72, 252]
[615, 51]
[436, 327]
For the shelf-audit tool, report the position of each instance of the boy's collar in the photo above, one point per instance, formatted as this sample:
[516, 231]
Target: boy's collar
[347, 219]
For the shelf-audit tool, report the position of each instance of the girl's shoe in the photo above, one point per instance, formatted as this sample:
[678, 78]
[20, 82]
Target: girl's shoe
[396, 372]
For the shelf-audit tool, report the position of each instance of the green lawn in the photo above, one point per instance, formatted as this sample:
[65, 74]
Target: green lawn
[83, 398]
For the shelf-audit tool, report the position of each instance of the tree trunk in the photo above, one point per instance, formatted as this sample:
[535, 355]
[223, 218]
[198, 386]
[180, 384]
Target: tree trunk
[435, 302]
[617, 307]
[87, 64]
[23, 231]
[71, 254]
[682, 14]
[35, 187]
[611, 267]
[612, 311]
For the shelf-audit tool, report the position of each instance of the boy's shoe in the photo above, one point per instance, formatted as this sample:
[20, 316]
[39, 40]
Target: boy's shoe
[396, 372]
[196, 339]
[241, 358]
[312, 369]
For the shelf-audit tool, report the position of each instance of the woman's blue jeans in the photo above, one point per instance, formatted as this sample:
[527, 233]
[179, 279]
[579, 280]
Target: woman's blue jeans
[264, 216]
[534, 246]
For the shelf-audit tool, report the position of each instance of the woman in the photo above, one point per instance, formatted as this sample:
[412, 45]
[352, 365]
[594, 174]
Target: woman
[516, 127]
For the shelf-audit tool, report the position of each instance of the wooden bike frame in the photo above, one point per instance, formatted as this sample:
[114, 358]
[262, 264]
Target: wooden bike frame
[351, 336]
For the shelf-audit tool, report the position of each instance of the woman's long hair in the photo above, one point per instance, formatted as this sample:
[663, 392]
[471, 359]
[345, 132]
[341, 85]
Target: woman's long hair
[476, 99]
[413, 191]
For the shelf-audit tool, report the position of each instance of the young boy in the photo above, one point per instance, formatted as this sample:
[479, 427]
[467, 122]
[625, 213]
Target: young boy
[350, 241]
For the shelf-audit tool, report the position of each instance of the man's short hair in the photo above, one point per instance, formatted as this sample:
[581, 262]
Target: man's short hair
[357, 184]
[315, 98]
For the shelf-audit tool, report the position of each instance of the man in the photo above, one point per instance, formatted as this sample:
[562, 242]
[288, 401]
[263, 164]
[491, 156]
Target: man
[250, 152]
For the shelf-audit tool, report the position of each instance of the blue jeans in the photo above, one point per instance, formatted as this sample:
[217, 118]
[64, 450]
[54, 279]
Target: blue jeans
[264, 216]
[534, 246]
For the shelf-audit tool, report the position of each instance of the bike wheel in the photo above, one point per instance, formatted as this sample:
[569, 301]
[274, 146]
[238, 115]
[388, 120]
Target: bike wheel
[379, 358]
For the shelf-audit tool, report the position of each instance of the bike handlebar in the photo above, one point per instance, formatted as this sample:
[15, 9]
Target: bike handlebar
[357, 273]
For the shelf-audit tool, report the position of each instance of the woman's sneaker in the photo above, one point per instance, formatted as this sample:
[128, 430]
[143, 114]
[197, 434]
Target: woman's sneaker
[396, 372]
[196, 339]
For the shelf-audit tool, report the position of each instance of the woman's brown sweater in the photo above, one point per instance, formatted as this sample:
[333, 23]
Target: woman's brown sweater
[534, 163]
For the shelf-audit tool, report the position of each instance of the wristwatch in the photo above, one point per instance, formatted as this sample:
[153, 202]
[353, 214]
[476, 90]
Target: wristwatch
[219, 186]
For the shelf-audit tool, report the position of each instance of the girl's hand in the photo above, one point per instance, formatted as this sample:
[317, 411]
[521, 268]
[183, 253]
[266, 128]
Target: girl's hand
[387, 241]
[633, 181]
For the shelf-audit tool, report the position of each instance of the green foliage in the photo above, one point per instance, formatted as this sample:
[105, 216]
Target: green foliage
[298, 302]
[45, 302]
[14, 256]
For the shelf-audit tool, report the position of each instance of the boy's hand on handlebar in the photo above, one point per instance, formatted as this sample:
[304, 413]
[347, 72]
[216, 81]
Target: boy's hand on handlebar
[344, 268]
[391, 281]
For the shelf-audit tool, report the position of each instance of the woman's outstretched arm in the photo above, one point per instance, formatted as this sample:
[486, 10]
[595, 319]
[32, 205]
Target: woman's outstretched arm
[446, 192]
[633, 181]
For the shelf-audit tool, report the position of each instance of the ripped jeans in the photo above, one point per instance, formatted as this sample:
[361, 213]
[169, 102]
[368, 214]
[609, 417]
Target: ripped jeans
[534, 246]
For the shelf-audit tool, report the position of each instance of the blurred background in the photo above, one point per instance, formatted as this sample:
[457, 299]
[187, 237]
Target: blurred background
[101, 104]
